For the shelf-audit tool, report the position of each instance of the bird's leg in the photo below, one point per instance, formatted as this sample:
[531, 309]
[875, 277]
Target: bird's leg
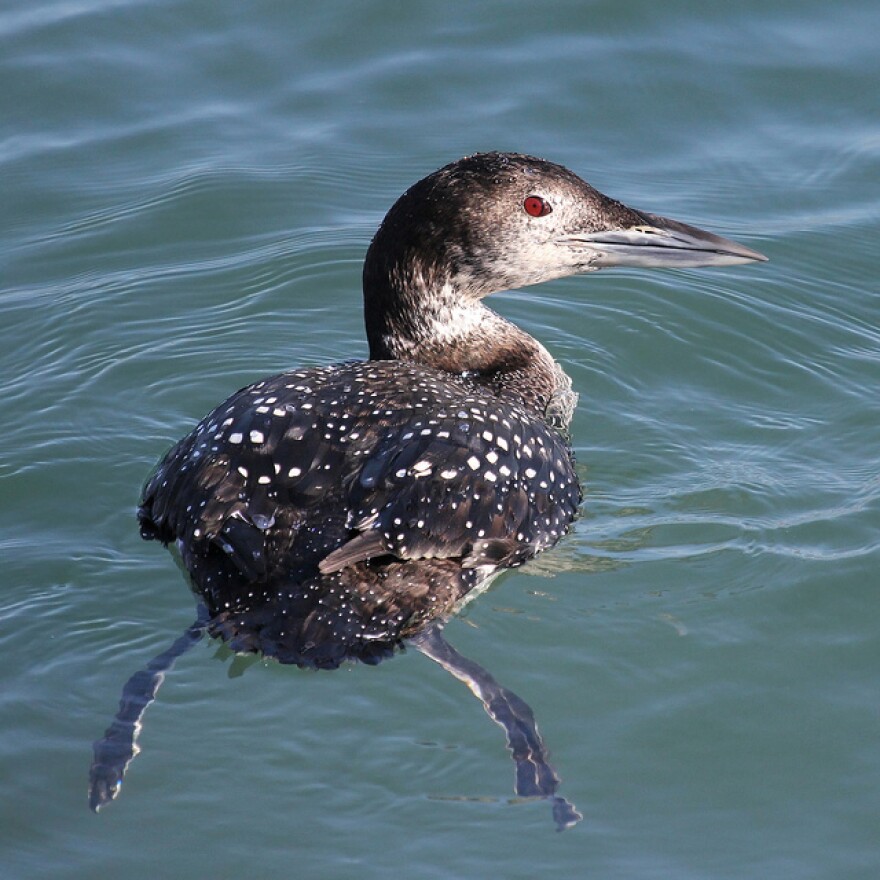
[534, 776]
[116, 749]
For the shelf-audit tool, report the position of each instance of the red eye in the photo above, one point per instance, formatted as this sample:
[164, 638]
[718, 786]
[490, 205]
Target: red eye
[535, 206]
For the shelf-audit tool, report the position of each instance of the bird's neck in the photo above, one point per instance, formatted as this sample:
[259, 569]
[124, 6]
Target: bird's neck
[428, 320]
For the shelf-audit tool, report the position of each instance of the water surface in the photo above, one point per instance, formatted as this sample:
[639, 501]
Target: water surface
[188, 191]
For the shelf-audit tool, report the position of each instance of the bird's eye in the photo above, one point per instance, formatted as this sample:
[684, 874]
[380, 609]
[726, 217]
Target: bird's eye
[535, 206]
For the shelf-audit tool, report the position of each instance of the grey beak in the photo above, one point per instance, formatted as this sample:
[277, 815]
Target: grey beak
[657, 242]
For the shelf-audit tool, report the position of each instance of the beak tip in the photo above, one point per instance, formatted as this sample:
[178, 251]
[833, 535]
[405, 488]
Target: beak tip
[749, 255]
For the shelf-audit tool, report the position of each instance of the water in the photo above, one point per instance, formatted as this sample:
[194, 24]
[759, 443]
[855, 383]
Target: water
[188, 191]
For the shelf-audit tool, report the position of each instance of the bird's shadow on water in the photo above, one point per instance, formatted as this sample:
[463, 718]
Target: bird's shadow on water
[535, 778]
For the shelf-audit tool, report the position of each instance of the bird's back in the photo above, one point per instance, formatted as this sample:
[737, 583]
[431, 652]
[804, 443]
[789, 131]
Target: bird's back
[328, 513]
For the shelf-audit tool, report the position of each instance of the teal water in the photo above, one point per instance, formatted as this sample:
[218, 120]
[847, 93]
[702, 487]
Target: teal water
[188, 189]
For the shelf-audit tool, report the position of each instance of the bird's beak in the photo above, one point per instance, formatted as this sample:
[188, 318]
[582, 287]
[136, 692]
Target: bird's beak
[655, 242]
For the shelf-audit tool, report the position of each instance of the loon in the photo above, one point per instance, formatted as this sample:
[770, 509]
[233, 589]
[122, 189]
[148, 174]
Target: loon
[334, 513]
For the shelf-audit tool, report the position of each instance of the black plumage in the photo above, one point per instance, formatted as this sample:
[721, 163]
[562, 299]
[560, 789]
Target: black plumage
[329, 513]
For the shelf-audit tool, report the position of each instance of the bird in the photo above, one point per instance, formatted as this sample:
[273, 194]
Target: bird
[336, 512]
